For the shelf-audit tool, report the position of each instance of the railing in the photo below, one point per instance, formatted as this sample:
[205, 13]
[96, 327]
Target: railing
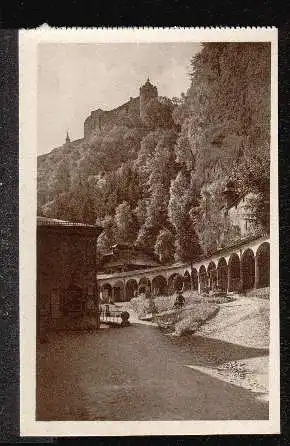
[114, 317]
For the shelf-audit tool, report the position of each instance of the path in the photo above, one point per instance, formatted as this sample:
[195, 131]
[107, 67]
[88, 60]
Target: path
[138, 373]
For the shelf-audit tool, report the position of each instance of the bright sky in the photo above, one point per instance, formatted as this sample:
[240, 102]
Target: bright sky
[74, 79]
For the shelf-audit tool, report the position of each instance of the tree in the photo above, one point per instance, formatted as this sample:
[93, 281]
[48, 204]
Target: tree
[210, 224]
[164, 246]
[161, 165]
[156, 217]
[88, 211]
[146, 152]
[225, 125]
[182, 197]
[125, 223]
[128, 184]
[141, 211]
[108, 237]
[158, 171]
[59, 180]
[158, 113]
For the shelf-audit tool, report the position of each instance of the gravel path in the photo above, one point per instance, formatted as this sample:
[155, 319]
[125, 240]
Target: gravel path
[138, 373]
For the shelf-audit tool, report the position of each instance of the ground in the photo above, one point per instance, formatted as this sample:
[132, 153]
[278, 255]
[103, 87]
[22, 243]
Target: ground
[244, 322]
[138, 373]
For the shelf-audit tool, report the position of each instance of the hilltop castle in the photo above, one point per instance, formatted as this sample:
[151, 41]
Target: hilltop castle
[130, 113]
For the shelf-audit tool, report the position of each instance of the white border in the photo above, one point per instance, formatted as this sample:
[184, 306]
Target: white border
[28, 41]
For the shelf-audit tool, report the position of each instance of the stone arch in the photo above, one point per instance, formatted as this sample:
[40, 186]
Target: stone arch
[118, 292]
[234, 268]
[263, 265]
[106, 291]
[144, 284]
[194, 279]
[212, 275]
[186, 281]
[222, 274]
[130, 289]
[171, 280]
[203, 278]
[248, 269]
[159, 285]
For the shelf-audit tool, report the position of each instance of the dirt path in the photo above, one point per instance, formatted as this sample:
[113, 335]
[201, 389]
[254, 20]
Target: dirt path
[138, 373]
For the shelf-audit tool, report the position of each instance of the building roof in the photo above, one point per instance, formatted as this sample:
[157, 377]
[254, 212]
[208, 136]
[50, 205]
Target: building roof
[138, 262]
[126, 254]
[46, 221]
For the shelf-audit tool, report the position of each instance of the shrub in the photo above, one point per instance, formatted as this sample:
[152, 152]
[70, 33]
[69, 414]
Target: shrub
[167, 319]
[187, 325]
[138, 305]
[143, 305]
[187, 320]
[164, 303]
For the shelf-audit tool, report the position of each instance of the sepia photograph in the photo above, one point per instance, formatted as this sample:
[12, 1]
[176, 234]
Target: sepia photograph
[152, 195]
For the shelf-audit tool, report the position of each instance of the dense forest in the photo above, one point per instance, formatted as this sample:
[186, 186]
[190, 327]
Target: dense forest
[159, 185]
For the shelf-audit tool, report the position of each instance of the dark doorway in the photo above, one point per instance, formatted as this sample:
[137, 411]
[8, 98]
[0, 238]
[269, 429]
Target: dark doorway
[234, 273]
[194, 279]
[212, 275]
[131, 289]
[222, 274]
[159, 285]
[248, 270]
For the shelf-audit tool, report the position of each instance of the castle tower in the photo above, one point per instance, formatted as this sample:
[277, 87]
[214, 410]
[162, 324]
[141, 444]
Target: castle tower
[147, 92]
[67, 139]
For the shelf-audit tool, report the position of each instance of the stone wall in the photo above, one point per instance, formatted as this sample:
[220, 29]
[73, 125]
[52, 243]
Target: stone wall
[66, 260]
[127, 114]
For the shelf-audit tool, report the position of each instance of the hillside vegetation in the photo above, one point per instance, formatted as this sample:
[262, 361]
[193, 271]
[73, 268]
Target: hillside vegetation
[159, 184]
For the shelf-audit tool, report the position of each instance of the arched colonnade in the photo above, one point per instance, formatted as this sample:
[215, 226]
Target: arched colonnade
[238, 271]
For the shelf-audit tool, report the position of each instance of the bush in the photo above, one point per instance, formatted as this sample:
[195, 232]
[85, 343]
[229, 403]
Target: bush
[143, 305]
[167, 319]
[187, 325]
[138, 305]
[187, 320]
[164, 303]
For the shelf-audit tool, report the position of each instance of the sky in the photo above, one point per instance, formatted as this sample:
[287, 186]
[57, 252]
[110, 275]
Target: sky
[74, 79]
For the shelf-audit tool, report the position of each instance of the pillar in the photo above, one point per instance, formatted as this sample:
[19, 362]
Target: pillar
[198, 283]
[256, 272]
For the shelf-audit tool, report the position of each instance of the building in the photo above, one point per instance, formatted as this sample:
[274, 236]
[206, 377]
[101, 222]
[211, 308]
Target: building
[147, 93]
[122, 258]
[239, 210]
[66, 270]
[243, 267]
[130, 113]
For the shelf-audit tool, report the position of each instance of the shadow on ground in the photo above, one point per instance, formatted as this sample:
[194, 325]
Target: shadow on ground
[138, 373]
[210, 352]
